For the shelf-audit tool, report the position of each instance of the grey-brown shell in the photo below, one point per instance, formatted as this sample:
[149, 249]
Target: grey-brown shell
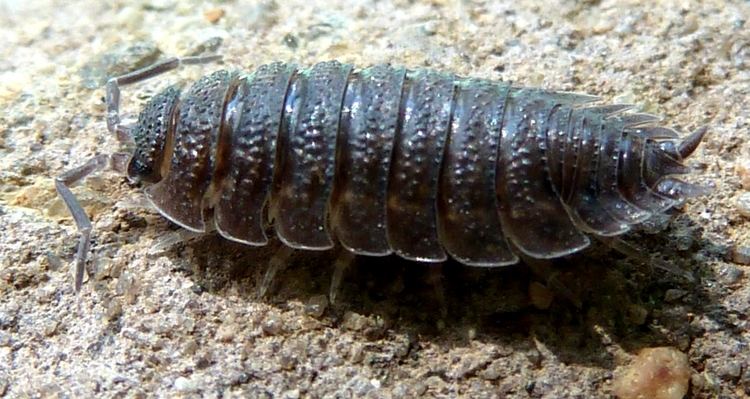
[419, 163]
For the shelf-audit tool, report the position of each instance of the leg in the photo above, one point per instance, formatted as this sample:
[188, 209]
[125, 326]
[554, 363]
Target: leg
[169, 240]
[543, 269]
[636, 253]
[435, 279]
[277, 263]
[113, 87]
[120, 162]
[63, 184]
[343, 261]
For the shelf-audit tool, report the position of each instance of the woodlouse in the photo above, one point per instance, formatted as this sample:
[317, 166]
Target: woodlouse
[390, 160]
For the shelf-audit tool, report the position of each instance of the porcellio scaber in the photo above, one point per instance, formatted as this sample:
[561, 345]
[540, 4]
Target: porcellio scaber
[382, 160]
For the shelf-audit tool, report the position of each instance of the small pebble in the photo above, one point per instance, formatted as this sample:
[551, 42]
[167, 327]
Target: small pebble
[5, 339]
[190, 347]
[743, 205]
[541, 297]
[54, 262]
[45, 294]
[182, 384]
[114, 310]
[287, 360]
[729, 273]
[683, 242]
[316, 306]
[728, 369]
[210, 46]
[238, 378]
[741, 255]
[656, 373]
[159, 344]
[158, 5]
[637, 314]
[214, 15]
[272, 325]
[291, 394]
[495, 370]
[203, 361]
[290, 41]
[226, 332]
[49, 328]
[674, 294]
[354, 321]
[742, 168]
[698, 381]
[356, 353]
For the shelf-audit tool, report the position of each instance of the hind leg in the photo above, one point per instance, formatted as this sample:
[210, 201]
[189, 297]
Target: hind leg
[633, 252]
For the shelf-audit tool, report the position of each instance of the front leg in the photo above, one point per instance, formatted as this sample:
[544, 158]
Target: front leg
[83, 223]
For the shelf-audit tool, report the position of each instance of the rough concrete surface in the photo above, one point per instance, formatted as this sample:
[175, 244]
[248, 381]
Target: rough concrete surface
[187, 321]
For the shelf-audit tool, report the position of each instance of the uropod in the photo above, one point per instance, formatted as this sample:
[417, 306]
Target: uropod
[389, 160]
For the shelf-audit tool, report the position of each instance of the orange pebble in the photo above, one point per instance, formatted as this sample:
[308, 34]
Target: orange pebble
[214, 15]
[656, 373]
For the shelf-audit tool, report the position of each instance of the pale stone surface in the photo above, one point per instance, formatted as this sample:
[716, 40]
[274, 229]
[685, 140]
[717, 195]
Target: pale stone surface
[187, 321]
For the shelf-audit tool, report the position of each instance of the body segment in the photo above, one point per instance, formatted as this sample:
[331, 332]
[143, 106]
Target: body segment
[306, 156]
[254, 117]
[468, 216]
[369, 122]
[425, 117]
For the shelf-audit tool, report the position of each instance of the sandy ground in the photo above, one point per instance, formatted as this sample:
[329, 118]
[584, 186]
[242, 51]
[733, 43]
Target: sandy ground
[187, 320]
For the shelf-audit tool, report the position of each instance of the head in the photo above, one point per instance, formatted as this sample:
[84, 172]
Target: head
[152, 136]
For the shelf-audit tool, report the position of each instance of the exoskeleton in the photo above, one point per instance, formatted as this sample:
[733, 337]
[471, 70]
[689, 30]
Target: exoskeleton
[384, 160]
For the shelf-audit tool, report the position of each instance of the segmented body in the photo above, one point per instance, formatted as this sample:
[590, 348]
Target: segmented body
[414, 162]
